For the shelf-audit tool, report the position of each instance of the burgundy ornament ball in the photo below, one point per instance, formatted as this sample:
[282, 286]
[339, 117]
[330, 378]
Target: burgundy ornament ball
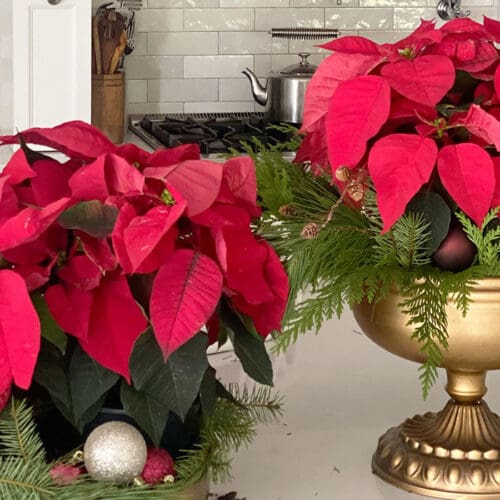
[159, 465]
[456, 251]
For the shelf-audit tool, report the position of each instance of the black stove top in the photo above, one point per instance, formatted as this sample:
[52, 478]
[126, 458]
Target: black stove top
[216, 133]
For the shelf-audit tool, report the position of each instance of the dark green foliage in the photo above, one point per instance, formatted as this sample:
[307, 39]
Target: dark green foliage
[25, 474]
[348, 259]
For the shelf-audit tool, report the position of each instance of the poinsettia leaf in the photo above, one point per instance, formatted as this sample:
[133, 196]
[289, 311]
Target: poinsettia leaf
[208, 391]
[198, 182]
[239, 174]
[495, 202]
[436, 213]
[497, 81]
[89, 382]
[336, 68]
[121, 176]
[466, 171]
[425, 79]
[176, 382]
[116, 322]
[80, 272]
[148, 233]
[98, 251]
[482, 124]
[70, 307]
[352, 45]
[18, 168]
[29, 224]
[19, 328]
[75, 139]
[91, 217]
[493, 27]
[51, 181]
[399, 163]
[49, 328]
[349, 127]
[148, 411]
[172, 156]
[248, 347]
[185, 293]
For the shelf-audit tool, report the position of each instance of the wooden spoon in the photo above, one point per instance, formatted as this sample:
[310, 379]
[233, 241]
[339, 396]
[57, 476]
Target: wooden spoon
[110, 30]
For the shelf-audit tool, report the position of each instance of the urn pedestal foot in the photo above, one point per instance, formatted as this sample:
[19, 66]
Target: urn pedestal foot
[452, 454]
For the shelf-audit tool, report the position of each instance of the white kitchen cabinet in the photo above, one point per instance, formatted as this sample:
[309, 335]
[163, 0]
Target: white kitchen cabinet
[45, 62]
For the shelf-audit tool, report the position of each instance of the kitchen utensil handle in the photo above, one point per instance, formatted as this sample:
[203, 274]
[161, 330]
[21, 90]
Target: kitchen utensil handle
[54, 2]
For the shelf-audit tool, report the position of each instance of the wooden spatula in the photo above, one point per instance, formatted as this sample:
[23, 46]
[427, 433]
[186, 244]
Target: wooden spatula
[111, 27]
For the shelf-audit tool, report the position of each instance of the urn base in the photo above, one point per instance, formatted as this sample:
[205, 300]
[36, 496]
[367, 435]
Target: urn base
[452, 454]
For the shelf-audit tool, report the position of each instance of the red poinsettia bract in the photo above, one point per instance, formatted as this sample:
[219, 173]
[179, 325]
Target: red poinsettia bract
[78, 231]
[415, 113]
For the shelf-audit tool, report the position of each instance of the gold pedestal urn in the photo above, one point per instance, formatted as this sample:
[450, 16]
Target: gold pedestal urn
[454, 453]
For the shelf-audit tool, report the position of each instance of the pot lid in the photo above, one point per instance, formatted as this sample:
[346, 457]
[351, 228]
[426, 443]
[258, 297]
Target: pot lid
[304, 67]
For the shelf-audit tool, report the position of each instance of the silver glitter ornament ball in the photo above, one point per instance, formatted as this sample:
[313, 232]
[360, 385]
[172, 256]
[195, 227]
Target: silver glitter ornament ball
[115, 452]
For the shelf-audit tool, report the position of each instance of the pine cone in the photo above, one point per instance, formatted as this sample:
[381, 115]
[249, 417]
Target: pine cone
[286, 210]
[310, 231]
[342, 174]
[356, 191]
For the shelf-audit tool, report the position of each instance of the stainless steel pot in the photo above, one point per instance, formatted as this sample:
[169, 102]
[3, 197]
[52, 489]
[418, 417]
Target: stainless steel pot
[283, 94]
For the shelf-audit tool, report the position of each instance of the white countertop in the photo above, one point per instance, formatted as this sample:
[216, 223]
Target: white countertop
[341, 393]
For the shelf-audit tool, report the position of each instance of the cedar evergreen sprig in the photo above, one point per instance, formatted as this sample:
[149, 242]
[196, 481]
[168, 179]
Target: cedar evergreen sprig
[348, 259]
[25, 474]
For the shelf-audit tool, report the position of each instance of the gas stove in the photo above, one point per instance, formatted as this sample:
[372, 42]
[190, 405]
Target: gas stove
[215, 133]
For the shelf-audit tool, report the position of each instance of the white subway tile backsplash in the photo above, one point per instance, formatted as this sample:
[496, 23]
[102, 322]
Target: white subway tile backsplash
[183, 4]
[183, 43]
[147, 67]
[251, 42]
[385, 36]
[184, 89]
[391, 3]
[254, 3]
[141, 44]
[360, 19]
[149, 20]
[235, 89]
[409, 19]
[137, 90]
[324, 3]
[189, 54]
[266, 19]
[219, 20]
[216, 66]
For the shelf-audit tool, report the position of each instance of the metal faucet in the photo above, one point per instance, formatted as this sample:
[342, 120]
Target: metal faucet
[449, 9]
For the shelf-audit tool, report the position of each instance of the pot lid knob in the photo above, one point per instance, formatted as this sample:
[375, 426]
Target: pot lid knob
[304, 67]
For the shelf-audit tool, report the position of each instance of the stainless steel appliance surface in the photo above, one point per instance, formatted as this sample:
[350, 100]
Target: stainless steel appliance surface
[215, 133]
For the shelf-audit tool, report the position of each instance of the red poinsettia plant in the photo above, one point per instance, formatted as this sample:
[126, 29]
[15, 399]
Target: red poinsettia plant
[119, 267]
[421, 113]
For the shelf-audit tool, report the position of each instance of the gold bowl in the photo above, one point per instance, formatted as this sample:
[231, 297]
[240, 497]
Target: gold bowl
[454, 453]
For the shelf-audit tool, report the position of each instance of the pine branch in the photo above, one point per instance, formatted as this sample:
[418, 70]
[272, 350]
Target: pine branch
[485, 238]
[19, 436]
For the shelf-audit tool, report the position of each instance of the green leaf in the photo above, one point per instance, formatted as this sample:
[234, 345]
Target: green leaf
[89, 382]
[177, 381]
[436, 212]
[49, 373]
[91, 217]
[50, 329]
[249, 349]
[208, 391]
[146, 410]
